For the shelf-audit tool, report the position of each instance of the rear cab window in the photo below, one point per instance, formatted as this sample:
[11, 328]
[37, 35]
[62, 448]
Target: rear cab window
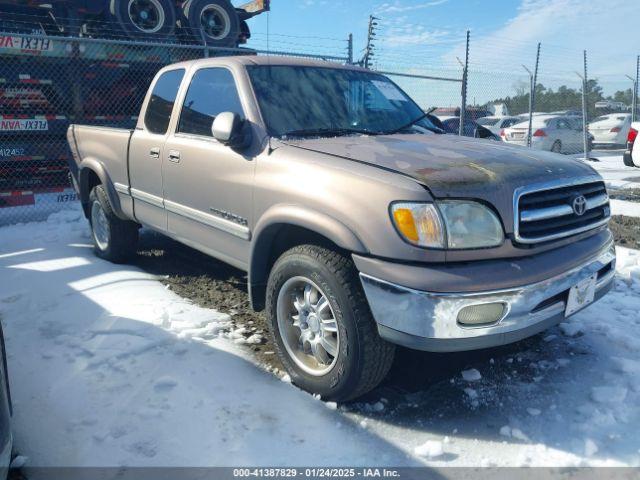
[211, 92]
[163, 97]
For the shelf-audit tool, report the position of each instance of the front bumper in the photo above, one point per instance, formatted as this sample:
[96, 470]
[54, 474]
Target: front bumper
[428, 321]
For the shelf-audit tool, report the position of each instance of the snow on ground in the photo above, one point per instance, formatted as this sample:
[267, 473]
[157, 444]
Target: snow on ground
[109, 368]
[566, 398]
[623, 207]
[612, 168]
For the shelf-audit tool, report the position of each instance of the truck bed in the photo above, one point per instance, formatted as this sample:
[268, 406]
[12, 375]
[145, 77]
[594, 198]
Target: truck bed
[105, 146]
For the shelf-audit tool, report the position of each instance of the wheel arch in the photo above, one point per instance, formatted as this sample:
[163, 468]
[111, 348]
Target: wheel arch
[90, 174]
[285, 227]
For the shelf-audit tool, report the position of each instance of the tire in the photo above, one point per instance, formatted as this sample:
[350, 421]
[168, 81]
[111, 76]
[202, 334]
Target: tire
[556, 147]
[214, 21]
[114, 239]
[362, 359]
[141, 19]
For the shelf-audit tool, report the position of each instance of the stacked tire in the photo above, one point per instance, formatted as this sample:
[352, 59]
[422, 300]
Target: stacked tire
[212, 22]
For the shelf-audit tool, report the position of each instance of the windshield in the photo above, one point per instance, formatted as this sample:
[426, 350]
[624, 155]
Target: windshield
[317, 101]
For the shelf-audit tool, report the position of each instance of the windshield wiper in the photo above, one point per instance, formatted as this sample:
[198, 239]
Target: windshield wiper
[412, 123]
[328, 132]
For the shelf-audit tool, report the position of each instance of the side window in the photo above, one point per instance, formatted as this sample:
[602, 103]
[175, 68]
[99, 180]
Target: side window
[161, 103]
[212, 91]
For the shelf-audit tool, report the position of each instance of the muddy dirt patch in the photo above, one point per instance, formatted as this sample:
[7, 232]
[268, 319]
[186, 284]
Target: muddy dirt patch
[208, 283]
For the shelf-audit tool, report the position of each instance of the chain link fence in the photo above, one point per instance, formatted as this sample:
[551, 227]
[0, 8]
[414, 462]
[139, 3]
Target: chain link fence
[49, 81]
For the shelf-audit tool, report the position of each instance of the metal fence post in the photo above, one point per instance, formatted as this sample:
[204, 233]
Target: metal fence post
[465, 79]
[634, 114]
[585, 112]
[532, 96]
[350, 49]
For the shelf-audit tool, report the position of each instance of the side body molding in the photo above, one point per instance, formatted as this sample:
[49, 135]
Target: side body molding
[279, 217]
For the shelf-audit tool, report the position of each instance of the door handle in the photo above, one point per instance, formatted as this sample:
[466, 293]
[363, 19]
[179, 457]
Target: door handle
[155, 152]
[174, 156]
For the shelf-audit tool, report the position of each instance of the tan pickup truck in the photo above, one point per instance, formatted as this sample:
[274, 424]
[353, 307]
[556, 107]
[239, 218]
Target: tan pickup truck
[360, 224]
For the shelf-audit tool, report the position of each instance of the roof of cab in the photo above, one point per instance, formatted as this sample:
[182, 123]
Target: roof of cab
[247, 60]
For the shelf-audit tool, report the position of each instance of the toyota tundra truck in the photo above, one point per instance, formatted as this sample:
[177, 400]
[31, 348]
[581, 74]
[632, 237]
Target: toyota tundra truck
[360, 225]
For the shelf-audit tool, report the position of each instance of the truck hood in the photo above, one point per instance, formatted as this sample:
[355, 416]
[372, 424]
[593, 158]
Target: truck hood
[456, 167]
[452, 166]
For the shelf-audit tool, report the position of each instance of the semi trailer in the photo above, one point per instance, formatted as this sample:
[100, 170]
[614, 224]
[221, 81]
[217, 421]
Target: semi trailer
[217, 23]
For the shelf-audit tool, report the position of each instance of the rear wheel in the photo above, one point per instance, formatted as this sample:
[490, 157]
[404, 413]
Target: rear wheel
[322, 326]
[556, 147]
[144, 18]
[213, 21]
[114, 239]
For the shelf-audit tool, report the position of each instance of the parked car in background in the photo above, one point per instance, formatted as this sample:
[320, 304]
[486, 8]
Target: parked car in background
[611, 129]
[611, 105]
[556, 134]
[497, 124]
[358, 230]
[471, 128]
[632, 155]
[568, 113]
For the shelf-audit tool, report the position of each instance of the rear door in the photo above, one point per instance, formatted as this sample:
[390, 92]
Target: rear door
[145, 151]
[208, 186]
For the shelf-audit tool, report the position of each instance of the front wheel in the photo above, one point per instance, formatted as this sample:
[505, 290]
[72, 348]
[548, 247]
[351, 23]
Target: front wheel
[322, 326]
[114, 239]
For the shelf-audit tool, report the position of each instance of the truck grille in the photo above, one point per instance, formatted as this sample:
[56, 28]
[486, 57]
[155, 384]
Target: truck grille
[560, 211]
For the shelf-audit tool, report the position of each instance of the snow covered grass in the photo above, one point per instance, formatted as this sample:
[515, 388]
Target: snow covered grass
[109, 368]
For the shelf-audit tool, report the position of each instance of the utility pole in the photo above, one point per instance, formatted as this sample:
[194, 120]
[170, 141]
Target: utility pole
[350, 49]
[369, 50]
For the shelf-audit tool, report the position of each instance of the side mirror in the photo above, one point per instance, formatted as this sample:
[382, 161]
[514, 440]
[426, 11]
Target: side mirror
[231, 130]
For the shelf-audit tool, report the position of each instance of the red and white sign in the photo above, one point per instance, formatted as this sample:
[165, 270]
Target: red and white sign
[11, 42]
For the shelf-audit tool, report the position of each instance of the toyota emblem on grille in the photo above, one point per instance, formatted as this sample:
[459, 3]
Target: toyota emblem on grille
[579, 205]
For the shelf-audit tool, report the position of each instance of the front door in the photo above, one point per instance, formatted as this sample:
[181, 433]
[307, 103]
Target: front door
[208, 186]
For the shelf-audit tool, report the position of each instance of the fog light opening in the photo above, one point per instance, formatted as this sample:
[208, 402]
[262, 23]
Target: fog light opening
[482, 314]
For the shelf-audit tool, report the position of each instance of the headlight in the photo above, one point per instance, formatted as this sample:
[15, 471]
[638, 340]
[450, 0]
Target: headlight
[470, 225]
[451, 224]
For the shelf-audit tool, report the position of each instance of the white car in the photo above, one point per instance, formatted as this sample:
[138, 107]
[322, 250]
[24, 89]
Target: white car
[550, 132]
[610, 105]
[611, 129]
[632, 155]
[497, 124]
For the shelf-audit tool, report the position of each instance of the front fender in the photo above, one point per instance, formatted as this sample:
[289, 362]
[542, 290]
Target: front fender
[282, 216]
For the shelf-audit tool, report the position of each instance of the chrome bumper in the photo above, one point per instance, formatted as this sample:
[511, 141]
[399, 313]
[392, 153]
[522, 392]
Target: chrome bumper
[428, 321]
